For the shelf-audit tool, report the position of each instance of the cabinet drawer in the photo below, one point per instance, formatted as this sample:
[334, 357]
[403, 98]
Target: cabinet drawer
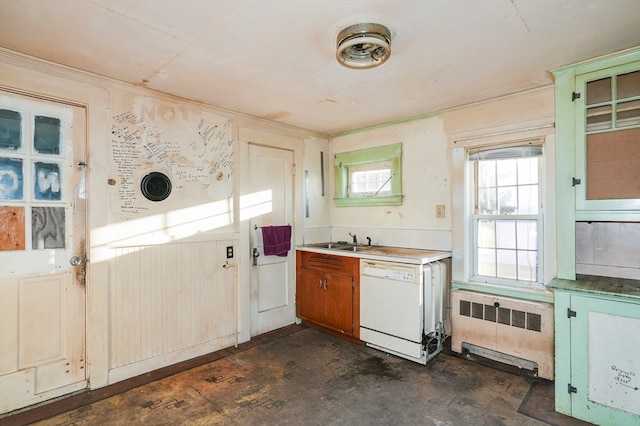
[329, 263]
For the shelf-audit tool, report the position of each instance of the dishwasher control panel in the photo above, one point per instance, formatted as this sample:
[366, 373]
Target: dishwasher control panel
[399, 274]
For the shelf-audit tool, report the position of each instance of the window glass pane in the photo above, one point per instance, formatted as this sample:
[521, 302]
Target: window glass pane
[506, 267]
[507, 172]
[47, 181]
[507, 248]
[487, 201]
[599, 91]
[506, 234]
[527, 170]
[527, 265]
[507, 200]
[11, 179]
[369, 180]
[487, 262]
[486, 174]
[10, 130]
[628, 85]
[598, 118]
[486, 233]
[528, 199]
[527, 234]
[46, 136]
[47, 227]
[628, 113]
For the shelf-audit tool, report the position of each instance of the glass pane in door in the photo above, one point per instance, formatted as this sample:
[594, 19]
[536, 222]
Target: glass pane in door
[599, 91]
[629, 85]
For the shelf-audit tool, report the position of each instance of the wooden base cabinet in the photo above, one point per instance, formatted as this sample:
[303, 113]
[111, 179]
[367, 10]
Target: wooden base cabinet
[597, 347]
[327, 291]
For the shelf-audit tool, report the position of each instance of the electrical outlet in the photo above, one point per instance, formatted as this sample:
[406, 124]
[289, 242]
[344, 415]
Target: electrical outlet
[229, 252]
[439, 211]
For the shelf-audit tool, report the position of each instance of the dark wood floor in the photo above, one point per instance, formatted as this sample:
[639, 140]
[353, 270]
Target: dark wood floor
[302, 376]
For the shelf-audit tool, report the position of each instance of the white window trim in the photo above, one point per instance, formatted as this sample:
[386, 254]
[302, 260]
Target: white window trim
[474, 216]
[462, 244]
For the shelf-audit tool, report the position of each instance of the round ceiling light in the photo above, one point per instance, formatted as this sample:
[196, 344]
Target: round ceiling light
[363, 46]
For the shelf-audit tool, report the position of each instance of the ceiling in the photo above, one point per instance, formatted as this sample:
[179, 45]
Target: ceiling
[275, 59]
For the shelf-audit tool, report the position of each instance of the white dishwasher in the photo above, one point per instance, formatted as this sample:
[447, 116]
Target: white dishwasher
[401, 308]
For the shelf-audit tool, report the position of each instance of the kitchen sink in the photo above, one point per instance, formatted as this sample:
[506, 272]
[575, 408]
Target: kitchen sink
[324, 245]
[341, 246]
[356, 249]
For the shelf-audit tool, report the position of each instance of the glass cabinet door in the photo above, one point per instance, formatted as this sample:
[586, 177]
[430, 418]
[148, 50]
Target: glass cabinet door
[608, 139]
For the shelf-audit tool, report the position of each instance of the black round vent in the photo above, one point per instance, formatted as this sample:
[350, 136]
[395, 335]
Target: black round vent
[156, 186]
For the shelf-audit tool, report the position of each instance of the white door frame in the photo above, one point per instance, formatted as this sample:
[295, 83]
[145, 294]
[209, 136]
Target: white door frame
[272, 140]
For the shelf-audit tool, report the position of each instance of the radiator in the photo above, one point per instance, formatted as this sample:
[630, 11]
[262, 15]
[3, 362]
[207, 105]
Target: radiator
[508, 330]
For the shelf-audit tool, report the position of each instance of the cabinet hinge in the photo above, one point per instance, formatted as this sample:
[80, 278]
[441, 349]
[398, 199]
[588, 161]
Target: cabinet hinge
[353, 327]
[570, 313]
[575, 181]
[574, 96]
[353, 283]
[571, 389]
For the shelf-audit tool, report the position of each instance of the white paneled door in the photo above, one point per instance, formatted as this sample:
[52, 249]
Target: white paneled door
[42, 250]
[272, 277]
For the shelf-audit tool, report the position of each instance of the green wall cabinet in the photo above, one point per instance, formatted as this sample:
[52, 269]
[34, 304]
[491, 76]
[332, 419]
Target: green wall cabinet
[597, 147]
[597, 321]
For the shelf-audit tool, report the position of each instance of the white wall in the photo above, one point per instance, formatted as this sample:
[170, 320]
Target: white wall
[317, 190]
[426, 182]
[145, 289]
[433, 172]
[521, 116]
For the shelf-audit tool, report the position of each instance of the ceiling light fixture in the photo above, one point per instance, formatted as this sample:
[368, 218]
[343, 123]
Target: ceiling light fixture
[363, 46]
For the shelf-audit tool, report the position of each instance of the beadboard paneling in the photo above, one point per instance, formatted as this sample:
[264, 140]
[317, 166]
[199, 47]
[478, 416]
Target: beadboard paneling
[168, 298]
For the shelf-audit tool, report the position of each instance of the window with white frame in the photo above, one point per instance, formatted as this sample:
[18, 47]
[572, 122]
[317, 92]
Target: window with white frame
[507, 218]
[370, 180]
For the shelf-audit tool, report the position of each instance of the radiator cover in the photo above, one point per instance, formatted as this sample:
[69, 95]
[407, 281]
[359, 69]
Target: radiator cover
[503, 325]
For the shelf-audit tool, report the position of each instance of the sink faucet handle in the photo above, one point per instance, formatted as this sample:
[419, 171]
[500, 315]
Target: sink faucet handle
[355, 240]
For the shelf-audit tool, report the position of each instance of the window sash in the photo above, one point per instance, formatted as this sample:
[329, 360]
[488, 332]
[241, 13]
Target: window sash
[519, 248]
[510, 257]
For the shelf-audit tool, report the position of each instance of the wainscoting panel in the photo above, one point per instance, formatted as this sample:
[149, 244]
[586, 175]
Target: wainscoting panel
[168, 303]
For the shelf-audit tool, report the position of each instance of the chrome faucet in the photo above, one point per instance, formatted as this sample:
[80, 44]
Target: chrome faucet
[355, 240]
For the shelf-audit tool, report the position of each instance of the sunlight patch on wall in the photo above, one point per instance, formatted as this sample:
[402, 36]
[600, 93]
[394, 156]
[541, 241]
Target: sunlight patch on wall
[161, 228]
[256, 204]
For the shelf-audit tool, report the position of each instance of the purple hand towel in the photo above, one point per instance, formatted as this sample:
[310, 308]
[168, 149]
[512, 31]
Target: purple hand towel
[276, 240]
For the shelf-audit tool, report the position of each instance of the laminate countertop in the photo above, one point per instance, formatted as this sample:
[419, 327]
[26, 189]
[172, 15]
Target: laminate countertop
[383, 253]
[595, 285]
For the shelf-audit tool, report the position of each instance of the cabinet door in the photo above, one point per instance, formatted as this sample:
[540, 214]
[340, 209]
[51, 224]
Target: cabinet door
[608, 139]
[339, 303]
[310, 295]
[606, 376]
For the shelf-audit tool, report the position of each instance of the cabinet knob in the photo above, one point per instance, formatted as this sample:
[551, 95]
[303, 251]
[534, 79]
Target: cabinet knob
[496, 304]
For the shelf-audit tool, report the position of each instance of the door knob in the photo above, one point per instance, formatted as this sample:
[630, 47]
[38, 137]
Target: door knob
[75, 261]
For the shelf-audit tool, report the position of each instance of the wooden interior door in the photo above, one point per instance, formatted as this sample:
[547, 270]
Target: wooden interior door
[272, 277]
[42, 250]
